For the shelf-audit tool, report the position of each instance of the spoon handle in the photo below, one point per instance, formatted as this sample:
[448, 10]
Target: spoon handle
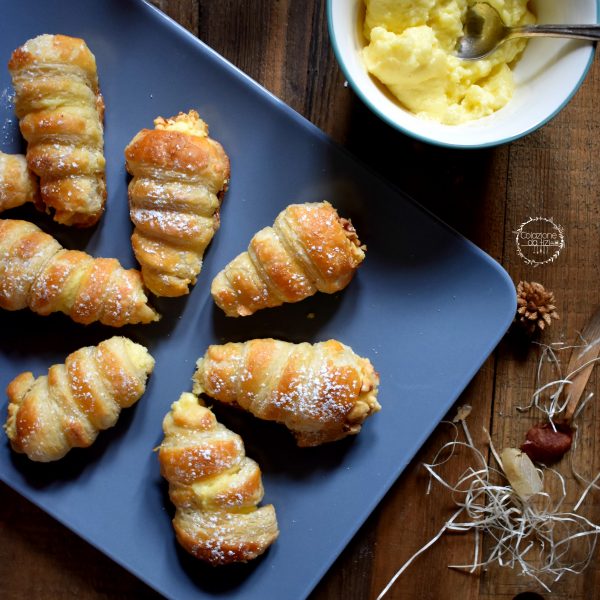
[582, 32]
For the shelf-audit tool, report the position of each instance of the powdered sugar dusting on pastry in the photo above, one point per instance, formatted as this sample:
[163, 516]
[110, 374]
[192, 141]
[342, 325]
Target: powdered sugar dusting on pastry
[309, 248]
[179, 177]
[61, 109]
[52, 414]
[321, 392]
[214, 487]
[36, 272]
[7, 129]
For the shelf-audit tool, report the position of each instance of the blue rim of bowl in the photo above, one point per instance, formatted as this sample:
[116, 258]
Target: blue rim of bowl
[433, 141]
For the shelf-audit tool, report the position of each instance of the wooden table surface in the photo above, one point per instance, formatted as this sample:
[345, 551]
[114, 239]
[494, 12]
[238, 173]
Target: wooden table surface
[484, 194]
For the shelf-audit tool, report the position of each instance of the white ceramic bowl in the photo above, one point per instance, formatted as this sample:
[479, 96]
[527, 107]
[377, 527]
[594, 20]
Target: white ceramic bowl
[546, 77]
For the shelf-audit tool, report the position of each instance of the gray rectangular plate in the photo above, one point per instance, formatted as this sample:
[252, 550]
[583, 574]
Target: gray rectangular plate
[411, 309]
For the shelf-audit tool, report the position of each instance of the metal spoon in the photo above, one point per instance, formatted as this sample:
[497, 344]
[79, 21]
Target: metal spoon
[484, 31]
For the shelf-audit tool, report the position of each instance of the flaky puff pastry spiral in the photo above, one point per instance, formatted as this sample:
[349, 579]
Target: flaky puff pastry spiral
[179, 177]
[68, 407]
[321, 392]
[215, 487]
[18, 184]
[60, 109]
[36, 272]
[309, 248]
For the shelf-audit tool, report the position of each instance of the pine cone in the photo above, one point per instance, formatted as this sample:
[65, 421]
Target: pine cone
[535, 306]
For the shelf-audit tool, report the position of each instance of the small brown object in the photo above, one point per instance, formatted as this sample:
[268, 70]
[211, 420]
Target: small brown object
[535, 306]
[547, 445]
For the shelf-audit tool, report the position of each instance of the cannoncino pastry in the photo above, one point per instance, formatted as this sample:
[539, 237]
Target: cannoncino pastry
[179, 177]
[18, 184]
[309, 248]
[215, 487]
[60, 108]
[36, 272]
[49, 415]
[321, 392]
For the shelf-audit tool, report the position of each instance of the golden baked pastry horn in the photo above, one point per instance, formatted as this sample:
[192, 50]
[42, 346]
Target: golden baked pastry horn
[309, 248]
[49, 415]
[18, 184]
[36, 272]
[179, 177]
[60, 109]
[322, 392]
[214, 486]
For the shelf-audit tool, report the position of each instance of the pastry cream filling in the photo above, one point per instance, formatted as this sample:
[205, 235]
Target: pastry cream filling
[410, 50]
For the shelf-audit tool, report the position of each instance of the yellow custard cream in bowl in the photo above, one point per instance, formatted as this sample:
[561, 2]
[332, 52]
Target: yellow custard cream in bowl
[410, 49]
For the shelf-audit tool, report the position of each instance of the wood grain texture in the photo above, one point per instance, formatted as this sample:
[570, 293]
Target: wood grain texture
[485, 195]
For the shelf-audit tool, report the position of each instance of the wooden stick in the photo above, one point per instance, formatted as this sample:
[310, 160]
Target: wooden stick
[579, 357]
